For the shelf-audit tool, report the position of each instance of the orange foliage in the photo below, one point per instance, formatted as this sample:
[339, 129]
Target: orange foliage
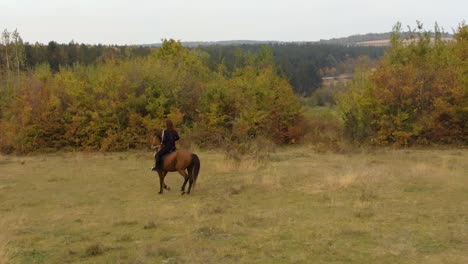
[419, 94]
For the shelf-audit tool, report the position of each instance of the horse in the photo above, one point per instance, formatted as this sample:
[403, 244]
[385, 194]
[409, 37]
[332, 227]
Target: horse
[182, 161]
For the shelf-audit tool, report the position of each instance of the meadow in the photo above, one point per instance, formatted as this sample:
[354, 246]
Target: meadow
[296, 205]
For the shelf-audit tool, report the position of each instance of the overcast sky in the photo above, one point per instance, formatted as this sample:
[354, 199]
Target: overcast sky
[148, 21]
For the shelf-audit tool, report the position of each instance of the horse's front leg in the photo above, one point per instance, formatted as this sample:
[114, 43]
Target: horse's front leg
[162, 185]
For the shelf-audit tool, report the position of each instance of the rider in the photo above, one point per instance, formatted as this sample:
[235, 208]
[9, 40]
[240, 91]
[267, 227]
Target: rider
[168, 138]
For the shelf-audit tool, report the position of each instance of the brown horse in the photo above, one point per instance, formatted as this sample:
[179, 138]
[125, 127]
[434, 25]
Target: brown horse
[182, 161]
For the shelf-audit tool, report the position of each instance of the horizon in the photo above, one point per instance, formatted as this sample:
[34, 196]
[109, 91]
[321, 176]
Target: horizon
[255, 41]
[148, 22]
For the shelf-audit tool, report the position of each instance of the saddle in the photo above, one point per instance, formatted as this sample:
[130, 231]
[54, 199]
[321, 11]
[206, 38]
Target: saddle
[166, 154]
[161, 159]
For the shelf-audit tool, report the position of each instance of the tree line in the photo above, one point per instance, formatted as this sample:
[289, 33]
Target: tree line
[116, 98]
[301, 63]
[56, 55]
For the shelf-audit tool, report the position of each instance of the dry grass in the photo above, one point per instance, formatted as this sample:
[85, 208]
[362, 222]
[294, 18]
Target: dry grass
[374, 206]
[4, 239]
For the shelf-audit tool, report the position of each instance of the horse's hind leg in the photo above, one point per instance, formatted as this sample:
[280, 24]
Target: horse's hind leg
[183, 185]
[190, 184]
[186, 178]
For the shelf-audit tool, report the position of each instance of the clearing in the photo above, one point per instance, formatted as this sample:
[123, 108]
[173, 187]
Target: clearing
[372, 206]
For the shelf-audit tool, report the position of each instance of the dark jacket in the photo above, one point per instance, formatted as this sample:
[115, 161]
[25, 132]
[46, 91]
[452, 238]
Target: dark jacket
[170, 137]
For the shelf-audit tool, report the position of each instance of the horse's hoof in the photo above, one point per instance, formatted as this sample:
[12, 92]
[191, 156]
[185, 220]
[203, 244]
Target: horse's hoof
[160, 193]
[182, 193]
[168, 188]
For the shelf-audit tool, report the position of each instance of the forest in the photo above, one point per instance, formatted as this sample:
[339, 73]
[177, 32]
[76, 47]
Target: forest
[303, 64]
[300, 63]
[108, 98]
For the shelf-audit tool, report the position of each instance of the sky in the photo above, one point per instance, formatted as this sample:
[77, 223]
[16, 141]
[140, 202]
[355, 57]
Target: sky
[149, 21]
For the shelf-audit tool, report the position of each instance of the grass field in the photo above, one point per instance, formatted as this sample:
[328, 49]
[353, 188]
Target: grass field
[374, 206]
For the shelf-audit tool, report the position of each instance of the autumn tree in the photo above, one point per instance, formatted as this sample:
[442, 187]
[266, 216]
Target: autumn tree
[118, 102]
[416, 95]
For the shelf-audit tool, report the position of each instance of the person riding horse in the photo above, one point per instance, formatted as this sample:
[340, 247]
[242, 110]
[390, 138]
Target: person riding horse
[168, 138]
[182, 161]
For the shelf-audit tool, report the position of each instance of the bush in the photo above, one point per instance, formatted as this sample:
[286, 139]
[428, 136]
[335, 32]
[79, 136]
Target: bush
[417, 95]
[323, 129]
[116, 104]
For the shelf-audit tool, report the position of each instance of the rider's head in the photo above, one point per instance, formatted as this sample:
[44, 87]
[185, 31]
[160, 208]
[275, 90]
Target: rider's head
[169, 125]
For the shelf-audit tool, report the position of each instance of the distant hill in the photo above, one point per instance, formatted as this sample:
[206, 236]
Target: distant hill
[191, 44]
[371, 39]
[386, 42]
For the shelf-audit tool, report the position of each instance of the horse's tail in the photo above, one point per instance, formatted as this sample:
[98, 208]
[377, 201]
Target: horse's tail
[195, 168]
